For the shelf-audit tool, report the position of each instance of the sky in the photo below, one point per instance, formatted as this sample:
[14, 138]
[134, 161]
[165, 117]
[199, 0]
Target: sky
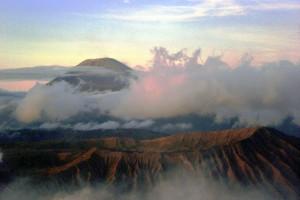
[65, 32]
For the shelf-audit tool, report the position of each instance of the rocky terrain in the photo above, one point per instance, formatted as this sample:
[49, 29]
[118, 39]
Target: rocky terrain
[247, 157]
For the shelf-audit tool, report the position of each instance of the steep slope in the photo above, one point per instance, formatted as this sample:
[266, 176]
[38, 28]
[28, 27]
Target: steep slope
[253, 156]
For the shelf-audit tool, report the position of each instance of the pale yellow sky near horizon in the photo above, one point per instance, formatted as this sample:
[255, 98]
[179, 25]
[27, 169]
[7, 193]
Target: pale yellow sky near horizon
[60, 33]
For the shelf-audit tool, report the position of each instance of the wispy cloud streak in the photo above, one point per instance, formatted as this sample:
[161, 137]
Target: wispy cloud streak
[198, 9]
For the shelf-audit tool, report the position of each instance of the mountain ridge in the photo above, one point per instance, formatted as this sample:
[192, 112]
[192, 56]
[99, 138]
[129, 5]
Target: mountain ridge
[257, 156]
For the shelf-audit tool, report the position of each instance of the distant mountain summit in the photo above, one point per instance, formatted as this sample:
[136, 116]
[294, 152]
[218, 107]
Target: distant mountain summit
[100, 74]
[107, 63]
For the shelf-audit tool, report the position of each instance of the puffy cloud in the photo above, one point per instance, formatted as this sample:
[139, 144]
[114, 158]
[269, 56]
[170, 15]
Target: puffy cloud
[255, 94]
[178, 85]
[56, 102]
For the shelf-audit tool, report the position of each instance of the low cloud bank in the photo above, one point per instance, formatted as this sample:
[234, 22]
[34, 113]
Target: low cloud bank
[108, 125]
[33, 73]
[173, 187]
[177, 85]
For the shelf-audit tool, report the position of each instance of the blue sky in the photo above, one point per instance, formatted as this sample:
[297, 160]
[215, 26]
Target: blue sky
[34, 32]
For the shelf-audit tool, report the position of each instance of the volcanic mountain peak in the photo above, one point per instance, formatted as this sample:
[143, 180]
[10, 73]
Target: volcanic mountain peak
[108, 63]
[101, 74]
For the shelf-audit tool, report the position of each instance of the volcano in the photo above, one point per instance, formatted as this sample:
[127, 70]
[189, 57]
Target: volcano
[107, 63]
[101, 74]
[255, 157]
